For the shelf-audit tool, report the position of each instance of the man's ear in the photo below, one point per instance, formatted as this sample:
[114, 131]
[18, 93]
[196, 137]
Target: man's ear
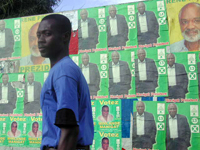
[66, 36]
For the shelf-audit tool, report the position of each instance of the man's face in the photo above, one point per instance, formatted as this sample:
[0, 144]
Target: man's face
[85, 59]
[30, 78]
[112, 11]
[5, 79]
[105, 112]
[50, 40]
[84, 15]
[141, 55]
[170, 60]
[2, 25]
[115, 57]
[190, 23]
[35, 128]
[14, 128]
[105, 144]
[141, 8]
[140, 108]
[33, 41]
[172, 109]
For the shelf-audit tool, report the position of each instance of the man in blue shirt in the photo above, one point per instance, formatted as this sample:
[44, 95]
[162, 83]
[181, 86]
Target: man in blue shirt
[65, 97]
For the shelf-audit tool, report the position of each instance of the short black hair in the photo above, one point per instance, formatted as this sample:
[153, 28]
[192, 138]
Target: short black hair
[105, 138]
[105, 107]
[35, 123]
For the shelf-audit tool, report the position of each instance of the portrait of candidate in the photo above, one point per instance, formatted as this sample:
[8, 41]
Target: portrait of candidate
[88, 32]
[147, 25]
[144, 128]
[177, 78]
[35, 133]
[14, 132]
[117, 28]
[6, 40]
[8, 96]
[105, 144]
[91, 74]
[189, 19]
[35, 57]
[178, 130]
[146, 74]
[105, 117]
[119, 76]
[32, 95]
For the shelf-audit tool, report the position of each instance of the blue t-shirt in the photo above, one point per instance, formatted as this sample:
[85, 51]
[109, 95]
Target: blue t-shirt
[67, 88]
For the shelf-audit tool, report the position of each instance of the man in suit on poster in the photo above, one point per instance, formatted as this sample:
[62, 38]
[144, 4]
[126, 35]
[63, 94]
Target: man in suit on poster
[177, 78]
[144, 128]
[8, 96]
[117, 29]
[88, 32]
[6, 41]
[147, 26]
[119, 76]
[178, 130]
[91, 74]
[32, 95]
[146, 74]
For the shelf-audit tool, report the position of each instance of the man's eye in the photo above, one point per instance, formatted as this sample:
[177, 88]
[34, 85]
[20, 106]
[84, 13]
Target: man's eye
[197, 21]
[184, 22]
[47, 34]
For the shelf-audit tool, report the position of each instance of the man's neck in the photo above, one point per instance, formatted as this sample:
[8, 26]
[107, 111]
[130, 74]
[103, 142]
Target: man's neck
[192, 46]
[105, 118]
[37, 60]
[58, 58]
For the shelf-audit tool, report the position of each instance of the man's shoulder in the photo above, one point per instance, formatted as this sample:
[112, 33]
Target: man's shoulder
[177, 66]
[148, 114]
[178, 47]
[122, 62]
[179, 116]
[149, 60]
[149, 12]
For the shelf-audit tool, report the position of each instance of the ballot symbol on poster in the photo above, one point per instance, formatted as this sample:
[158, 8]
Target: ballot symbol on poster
[131, 25]
[194, 120]
[161, 62]
[17, 37]
[160, 118]
[192, 76]
[103, 74]
[195, 128]
[102, 28]
[133, 73]
[192, 68]
[17, 24]
[131, 18]
[101, 12]
[20, 93]
[160, 108]
[131, 9]
[162, 21]
[162, 70]
[191, 59]
[103, 67]
[160, 5]
[101, 21]
[160, 126]
[161, 14]
[161, 53]
[17, 31]
[133, 65]
[194, 111]
[103, 58]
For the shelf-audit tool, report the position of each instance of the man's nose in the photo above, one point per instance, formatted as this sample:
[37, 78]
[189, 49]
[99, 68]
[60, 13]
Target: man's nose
[190, 24]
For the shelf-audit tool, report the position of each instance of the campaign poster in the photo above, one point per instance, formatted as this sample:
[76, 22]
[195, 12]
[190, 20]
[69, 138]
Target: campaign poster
[3, 132]
[198, 69]
[182, 14]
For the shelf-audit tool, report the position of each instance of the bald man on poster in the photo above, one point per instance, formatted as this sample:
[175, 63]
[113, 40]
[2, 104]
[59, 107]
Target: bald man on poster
[189, 19]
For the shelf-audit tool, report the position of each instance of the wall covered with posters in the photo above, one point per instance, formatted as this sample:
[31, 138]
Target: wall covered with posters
[142, 66]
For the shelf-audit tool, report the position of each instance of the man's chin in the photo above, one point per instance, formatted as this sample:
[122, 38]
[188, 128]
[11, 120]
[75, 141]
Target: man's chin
[194, 38]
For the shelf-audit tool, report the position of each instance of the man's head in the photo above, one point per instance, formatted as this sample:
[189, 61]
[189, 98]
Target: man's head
[30, 78]
[172, 109]
[2, 25]
[140, 107]
[105, 143]
[85, 59]
[170, 59]
[105, 111]
[14, 127]
[112, 11]
[35, 127]
[84, 14]
[33, 40]
[5, 78]
[189, 18]
[141, 53]
[141, 8]
[115, 57]
[53, 36]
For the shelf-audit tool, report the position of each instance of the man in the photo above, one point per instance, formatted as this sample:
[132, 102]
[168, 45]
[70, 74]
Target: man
[6, 41]
[117, 29]
[8, 96]
[178, 130]
[14, 132]
[147, 26]
[35, 133]
[105, 144]
[177, 78]
[65, 97]
[35, 57]
[144, 128]
[119, 76]
[146, 74]
[91, 74]
[189, 17]
[87, 31]
[105, 117]
[32, 95]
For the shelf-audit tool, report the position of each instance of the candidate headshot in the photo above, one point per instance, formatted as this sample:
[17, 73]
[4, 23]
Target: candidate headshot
[35, 133]
[189, 19]
[35, 57]
[178, 130]
[105, 117]
[14, 132]
[105, 144]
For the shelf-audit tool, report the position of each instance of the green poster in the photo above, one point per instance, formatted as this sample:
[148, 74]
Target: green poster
[3, 126]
